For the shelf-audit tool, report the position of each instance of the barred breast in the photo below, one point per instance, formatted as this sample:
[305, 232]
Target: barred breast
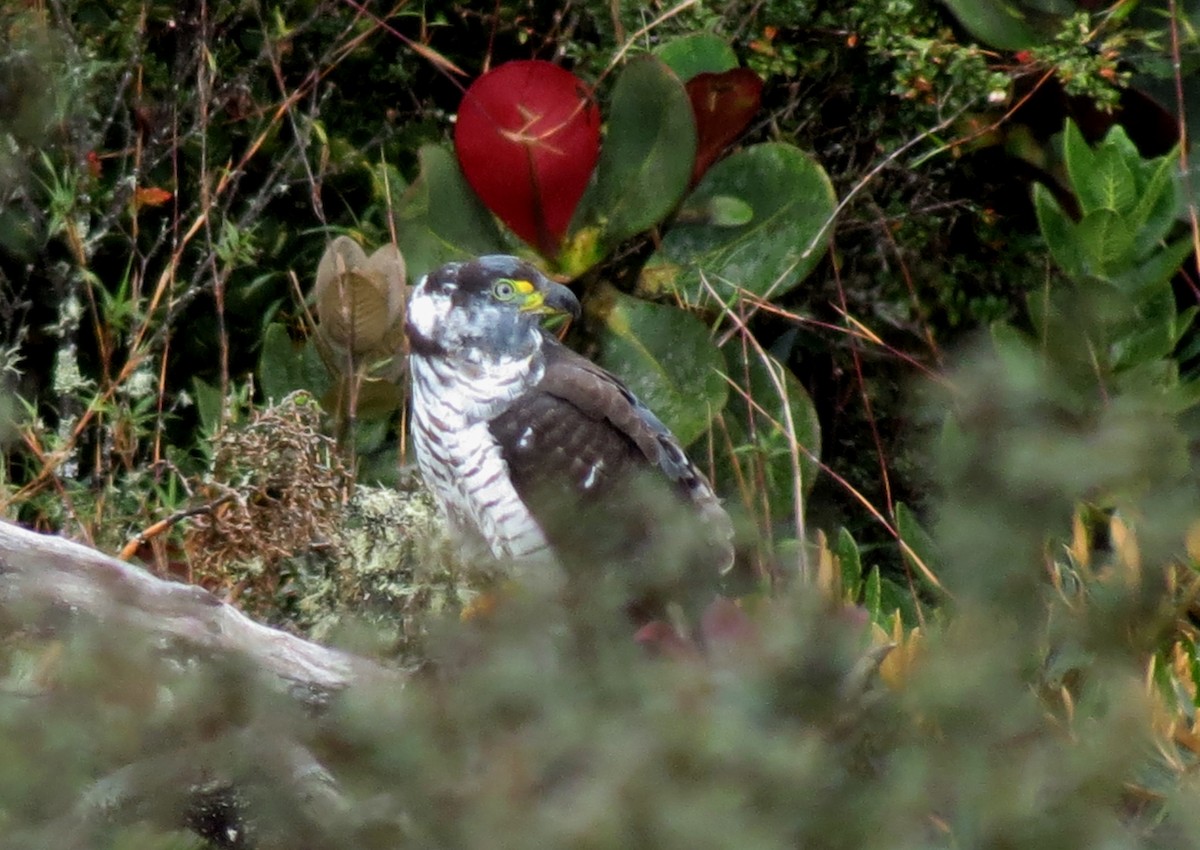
[461, 460]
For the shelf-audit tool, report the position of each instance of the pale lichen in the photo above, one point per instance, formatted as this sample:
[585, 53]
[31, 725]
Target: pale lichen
[390, 571]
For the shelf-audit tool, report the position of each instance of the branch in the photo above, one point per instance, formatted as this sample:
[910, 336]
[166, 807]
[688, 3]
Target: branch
[41, 573]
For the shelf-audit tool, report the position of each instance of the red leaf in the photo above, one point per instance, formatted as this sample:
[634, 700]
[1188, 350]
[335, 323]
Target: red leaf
[724, 105]
[527, 138]
[150, 196]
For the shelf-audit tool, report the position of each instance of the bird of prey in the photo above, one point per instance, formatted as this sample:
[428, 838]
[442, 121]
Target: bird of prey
[533, 452]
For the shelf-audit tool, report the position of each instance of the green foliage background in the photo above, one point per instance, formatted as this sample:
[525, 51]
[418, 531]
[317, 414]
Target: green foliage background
[258, 121]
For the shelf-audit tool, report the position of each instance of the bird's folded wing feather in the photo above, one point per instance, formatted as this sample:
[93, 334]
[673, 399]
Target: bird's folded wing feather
[580, 433]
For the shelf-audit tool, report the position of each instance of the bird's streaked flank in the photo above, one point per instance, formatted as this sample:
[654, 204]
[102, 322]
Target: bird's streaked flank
[533, 452]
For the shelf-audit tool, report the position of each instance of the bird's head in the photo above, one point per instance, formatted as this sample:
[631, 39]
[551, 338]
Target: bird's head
[489, 307]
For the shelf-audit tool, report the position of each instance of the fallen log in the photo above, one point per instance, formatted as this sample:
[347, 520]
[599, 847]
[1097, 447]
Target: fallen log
[41, 573]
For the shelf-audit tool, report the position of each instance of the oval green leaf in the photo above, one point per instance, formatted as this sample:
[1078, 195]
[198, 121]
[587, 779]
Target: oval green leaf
[1158, 203]
[285, 366]
[999, 23]
[1059, 231]
[1105, 242]
[1149, 334]
[792, 203]
[699, 53]
[645, 161]
[439, 218]
[666, 357]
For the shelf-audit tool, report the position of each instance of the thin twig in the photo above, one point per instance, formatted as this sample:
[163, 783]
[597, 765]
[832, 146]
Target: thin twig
[143, 537]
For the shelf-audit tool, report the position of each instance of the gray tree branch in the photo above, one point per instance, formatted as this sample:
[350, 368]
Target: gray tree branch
[40, 574]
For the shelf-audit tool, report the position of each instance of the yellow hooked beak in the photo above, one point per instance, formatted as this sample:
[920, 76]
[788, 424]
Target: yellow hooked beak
[549, 300]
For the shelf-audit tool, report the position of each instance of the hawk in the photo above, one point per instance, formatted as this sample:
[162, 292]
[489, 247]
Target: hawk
[533, 452]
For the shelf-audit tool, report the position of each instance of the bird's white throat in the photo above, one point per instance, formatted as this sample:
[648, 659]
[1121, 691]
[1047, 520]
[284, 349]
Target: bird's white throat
[468, 387]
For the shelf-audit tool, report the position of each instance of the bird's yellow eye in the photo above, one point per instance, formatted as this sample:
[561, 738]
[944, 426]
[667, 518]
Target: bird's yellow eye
[504, 289]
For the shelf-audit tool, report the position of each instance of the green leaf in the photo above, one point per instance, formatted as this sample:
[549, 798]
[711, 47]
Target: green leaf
[387, 183]
[1155, 271]
[1149, 334]
[1022, 361]
[1080, 160]
[1184, 322]
[699, 53]
[792, 202]
[919, 551]
[645, 162]
[208, 404]
[850, 559]
[284, 366]
[1117, 140]
[1059, 232]
[1161, 375]
[1105, 243]
[894, 596]
[667, 359]
[873, 595]
[439, 219]
[996, 23]
[1041, 306]
[1111, 186]
[760, 428]
[1103, 178]
[1158, 204]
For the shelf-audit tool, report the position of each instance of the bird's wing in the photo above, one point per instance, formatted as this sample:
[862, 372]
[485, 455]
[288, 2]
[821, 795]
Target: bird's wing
[581, 440]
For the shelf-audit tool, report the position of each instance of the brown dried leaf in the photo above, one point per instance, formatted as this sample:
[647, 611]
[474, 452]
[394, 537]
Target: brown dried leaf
[386, 266]
[360, 301]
